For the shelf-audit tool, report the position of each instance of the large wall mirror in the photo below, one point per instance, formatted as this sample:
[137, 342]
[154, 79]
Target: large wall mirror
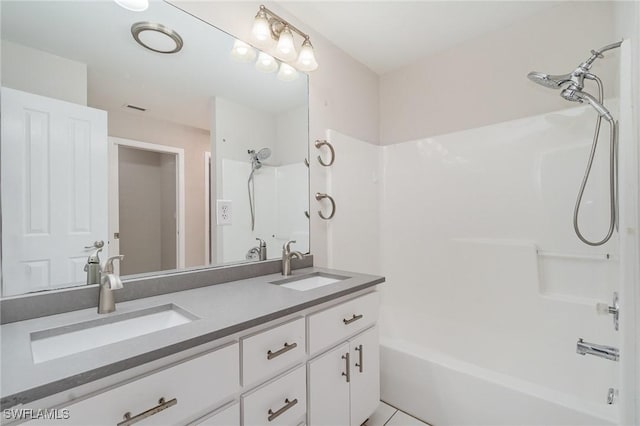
[175, 160]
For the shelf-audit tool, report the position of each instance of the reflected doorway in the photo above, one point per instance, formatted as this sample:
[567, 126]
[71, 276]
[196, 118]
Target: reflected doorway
[147, 208]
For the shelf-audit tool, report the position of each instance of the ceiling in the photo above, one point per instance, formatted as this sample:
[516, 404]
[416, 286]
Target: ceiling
[177, 87]
[387, 35]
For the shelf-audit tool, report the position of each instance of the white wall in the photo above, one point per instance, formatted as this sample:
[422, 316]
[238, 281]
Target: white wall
[35, 71]
[627, 26]
[343, 93]
[195, 142]
[483, 81]
[292, 135]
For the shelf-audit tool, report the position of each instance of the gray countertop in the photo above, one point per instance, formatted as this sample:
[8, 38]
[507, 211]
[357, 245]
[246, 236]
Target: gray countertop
[222, 309]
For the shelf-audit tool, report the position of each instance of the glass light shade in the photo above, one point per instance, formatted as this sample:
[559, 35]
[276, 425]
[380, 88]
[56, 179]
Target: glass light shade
[285, 49]
[266, 63]
[287, 73]
[134, 5]
[307, 59]
[242, 52]
[261, 31]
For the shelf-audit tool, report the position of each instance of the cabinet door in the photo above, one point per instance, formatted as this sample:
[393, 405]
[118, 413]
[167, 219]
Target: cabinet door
[329, 389]
[365, 375]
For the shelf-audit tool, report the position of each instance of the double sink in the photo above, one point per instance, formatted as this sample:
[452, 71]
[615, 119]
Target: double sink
[62, 341]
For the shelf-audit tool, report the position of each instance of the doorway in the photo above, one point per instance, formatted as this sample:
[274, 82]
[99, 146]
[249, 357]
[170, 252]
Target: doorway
[147, 206]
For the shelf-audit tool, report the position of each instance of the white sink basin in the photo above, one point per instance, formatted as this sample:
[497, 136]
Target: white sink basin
[62, 341]
[309, 281]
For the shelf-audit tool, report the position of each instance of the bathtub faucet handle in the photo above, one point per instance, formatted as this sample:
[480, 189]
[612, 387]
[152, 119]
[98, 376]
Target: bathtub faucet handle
[614, 309]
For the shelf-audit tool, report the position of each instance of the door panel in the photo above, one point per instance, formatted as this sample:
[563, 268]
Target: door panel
[365, 375]
[328, 389]
[54, 195]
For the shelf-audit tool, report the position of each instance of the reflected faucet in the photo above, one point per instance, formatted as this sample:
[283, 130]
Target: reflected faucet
[260, 251]
[287, 255]
[109, 281]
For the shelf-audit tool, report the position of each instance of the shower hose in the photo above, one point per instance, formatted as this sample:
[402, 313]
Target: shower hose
[613, 184]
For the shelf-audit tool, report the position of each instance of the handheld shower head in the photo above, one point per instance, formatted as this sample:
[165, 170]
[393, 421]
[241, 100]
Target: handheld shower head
[574, 94]
[547, 80]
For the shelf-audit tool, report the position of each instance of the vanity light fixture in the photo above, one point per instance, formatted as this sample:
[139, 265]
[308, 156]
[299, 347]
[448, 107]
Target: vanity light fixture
[156, 37]
[133, 5]
[266, 63]
[287, 72]
[242, 52]
[269, 27]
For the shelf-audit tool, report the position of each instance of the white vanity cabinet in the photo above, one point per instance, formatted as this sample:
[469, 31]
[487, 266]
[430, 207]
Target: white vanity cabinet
[171, 396]
[319, 367]
[225, 416]
[344, 383]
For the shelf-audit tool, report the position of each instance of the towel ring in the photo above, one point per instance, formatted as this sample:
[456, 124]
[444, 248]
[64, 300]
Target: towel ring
[320, 196]
[319, 144]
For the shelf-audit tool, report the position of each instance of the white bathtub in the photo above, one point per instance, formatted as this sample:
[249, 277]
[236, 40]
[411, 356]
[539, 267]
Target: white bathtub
[443, 391]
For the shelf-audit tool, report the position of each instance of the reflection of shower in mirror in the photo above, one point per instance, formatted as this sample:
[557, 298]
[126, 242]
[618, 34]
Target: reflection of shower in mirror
[256, 163]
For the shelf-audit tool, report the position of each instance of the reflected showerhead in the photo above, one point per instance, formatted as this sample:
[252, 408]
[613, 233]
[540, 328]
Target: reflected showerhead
[547, 80]
[257, 157]
[263, 154]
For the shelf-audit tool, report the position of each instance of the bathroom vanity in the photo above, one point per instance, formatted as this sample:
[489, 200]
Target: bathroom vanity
[263, 350]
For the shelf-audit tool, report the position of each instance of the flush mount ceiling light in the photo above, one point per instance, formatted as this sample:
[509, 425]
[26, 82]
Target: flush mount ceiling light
[269, 28]
[134, 5]
[156, 37]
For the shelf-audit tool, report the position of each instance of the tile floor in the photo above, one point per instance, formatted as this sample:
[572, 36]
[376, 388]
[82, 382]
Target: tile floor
[386, 415]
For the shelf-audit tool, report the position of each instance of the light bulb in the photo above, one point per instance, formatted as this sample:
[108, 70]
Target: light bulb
[266, 63]
[242, 52]
[307, 59]
[134, 5]
[287, 73]
[261, 31]
[285, 49]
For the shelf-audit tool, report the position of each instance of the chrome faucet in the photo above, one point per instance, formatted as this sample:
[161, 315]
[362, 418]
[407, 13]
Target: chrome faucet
[607, 352]
[109, 281]
[287, 254]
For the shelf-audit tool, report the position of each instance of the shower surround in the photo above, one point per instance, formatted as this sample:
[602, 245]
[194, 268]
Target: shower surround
[489, 286]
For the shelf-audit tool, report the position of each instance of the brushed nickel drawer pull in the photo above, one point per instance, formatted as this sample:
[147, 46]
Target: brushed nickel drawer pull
[286, 348]
[359, 363]
[348, 365]
[162, 405]
[288, 404]
[352, 319]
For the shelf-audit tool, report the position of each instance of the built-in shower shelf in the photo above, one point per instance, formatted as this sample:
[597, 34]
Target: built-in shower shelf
[578, 256]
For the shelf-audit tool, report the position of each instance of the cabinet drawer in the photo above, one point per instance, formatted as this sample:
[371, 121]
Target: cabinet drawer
[281, 402]
[196, 386]
[272, 351]
[228, 416]
[337, 323]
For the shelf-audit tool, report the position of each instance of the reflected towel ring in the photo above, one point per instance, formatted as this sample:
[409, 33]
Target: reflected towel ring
[320, 196]
[319, 144]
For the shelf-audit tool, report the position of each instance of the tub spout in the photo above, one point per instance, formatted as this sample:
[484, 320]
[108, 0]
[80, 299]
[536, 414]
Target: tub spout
[607, 352]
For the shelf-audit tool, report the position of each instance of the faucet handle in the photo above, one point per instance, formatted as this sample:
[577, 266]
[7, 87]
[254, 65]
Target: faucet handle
[107, 267]
[286, 246]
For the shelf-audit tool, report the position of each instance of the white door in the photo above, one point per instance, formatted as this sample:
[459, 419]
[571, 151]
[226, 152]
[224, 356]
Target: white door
[54, 190]
[329, 389]
[365, 375]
